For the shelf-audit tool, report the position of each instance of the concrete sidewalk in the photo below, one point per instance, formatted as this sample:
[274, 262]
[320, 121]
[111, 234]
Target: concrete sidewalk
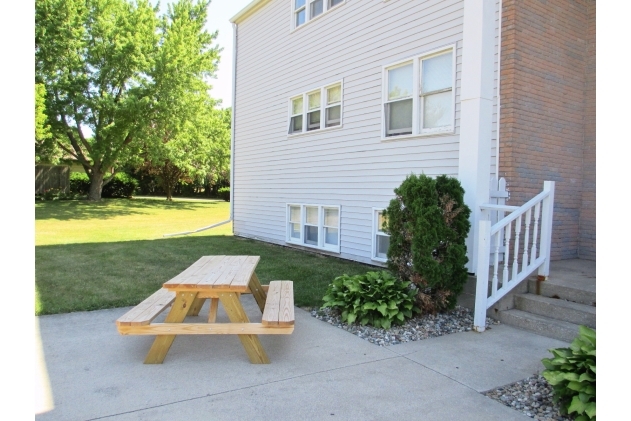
[319, 372]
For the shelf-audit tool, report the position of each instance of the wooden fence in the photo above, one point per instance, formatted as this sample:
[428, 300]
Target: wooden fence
[52, 177]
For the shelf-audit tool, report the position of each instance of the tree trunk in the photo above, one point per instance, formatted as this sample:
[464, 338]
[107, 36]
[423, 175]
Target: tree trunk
[96, 185]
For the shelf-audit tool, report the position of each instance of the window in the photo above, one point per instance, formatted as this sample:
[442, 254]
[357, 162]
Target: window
[315, 226]
[316, 110]
[419, 95]
[333, 106]
[305, 10]
[381, 240]
[313, 116]
[295, 126]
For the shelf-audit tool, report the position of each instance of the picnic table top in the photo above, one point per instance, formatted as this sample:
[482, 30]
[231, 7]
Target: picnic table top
[229, 273]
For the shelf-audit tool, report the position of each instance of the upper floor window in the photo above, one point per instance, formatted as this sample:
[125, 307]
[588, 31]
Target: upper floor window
[316, 109]
[305, 10]
[419, 95]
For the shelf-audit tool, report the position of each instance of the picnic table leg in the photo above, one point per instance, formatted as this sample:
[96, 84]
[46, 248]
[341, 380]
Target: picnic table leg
[237, 314]
[196, 307]
[212, 314]
[257, 290]
[162, 343]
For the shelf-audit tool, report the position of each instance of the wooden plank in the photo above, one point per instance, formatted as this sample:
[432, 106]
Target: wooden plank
[259, 292]
[224, 280]
[197, 306]
[286, 311]
[205, 329]
[192, 274]
[215, 273]
[236, 314]
[212, 313]
[177, 314]
[244, 275]
[272, 304]
[147, 310]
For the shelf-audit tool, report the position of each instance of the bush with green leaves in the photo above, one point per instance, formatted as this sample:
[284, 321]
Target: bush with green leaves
[572, 375]
[79, 183]
[122, 185]
[376, 298]
[428, 223]
[224, 193]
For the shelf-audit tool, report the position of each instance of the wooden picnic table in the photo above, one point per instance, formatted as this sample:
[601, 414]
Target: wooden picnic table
[221, 279]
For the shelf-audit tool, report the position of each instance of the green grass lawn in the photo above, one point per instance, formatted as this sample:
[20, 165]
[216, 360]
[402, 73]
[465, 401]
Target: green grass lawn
[91, 256]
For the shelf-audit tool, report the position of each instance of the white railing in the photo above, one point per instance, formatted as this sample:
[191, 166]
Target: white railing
[531, 225]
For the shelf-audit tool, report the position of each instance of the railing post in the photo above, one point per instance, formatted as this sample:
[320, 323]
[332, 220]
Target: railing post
[482, 275]
[546, 228]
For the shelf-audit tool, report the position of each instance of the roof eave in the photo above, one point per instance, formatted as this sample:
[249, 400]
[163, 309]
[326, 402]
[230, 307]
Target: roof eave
[248, 10]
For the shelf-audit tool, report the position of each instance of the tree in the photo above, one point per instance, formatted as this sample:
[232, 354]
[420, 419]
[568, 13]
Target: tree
[186, 134]
[45, 147]
[99, 61]
[428, 223]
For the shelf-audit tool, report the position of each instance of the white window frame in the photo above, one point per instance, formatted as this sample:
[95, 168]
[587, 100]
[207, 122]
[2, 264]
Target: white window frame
[322, 109]
[303, 217]
[417, 95]
[375, 232]
[326, 7]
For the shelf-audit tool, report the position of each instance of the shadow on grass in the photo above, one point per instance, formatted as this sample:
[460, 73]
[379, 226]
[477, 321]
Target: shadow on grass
[92, 276]
[65, 210]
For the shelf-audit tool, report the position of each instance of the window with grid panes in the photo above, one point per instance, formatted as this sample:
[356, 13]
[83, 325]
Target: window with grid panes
[316, 226]
[419, 95]
[305, 10]
[316, 110]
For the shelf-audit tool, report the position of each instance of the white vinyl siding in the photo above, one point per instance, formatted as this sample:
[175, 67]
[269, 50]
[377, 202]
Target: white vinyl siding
[347, 165]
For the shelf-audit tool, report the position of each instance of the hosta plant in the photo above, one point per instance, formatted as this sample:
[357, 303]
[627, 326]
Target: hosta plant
[376, 298]
[572, 375]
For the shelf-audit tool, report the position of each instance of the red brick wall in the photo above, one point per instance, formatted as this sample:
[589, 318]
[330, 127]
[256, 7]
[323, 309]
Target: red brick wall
[587, 227]
[547, 58]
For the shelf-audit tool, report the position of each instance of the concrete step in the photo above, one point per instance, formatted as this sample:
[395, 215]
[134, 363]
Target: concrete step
[569, 311]
[564, 292]
[541, 325]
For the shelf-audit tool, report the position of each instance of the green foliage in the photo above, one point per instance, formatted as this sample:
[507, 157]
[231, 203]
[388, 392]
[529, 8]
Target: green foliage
[572, 374]
[45, 148]
[113, 67]
[376, 298]
[79, 183]
[55, 194]
[121, 185]
[224, 193]
[428, 223]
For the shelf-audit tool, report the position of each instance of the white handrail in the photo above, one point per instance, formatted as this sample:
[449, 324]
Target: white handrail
[544, 203]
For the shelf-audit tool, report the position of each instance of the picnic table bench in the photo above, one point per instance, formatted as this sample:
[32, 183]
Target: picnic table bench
[220, 279]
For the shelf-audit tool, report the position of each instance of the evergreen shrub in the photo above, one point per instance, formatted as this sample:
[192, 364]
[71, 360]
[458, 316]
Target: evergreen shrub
[428, 223]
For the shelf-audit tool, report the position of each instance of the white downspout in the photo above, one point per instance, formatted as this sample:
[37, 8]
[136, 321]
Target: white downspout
[499, 76]
[234, 95]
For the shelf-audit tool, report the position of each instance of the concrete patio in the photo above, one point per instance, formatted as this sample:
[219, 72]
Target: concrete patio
[89, 371]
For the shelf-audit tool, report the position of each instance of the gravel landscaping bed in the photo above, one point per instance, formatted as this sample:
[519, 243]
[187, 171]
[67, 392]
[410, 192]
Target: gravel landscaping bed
[532, 396]
[459, 319]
